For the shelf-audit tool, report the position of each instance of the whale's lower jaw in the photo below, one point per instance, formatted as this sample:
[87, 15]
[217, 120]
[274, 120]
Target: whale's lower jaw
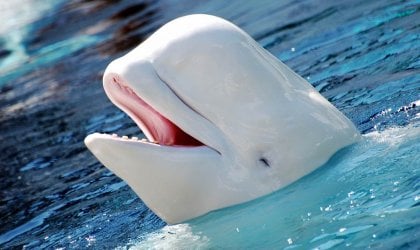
[167, 178]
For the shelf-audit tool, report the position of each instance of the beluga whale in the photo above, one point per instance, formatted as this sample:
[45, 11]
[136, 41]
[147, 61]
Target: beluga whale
[225, 121]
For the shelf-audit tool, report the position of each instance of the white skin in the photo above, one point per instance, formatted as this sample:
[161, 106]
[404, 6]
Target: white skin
[261, 125]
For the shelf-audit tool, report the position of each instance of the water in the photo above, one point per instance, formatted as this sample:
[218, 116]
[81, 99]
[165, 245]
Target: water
[361, 55]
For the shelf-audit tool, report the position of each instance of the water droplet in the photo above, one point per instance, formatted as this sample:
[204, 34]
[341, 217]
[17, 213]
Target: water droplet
[293, 49]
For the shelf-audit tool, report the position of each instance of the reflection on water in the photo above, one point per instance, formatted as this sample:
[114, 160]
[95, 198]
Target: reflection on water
[16, 17]
[361, 55]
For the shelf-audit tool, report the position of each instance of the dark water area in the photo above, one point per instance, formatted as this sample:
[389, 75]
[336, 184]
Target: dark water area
[363, 56]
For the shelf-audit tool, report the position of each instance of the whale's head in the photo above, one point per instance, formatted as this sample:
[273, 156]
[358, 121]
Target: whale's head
[225, 121]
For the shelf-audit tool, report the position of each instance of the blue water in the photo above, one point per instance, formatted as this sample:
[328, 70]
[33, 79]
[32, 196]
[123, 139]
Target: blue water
[361, 55]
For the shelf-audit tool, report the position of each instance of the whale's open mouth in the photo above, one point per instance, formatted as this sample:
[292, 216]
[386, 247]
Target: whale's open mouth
[157, 128]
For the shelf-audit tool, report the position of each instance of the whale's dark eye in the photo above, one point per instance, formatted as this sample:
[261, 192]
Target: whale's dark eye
[265, 162]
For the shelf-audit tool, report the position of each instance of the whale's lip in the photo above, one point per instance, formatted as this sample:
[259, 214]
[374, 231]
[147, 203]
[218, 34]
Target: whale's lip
[157, 128]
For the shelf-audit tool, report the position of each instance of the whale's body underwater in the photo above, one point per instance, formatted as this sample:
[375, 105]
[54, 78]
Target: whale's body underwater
[226, 121]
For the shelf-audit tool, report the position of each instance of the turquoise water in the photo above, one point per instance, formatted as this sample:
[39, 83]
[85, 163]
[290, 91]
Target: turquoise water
[361, 55]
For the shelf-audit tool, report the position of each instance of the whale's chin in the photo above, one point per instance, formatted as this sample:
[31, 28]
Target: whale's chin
[157, 128]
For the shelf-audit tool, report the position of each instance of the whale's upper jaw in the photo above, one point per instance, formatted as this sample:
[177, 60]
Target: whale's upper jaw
[185, 128]
[157, 128]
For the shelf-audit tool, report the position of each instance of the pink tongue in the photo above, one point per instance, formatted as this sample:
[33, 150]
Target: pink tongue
[161, 129]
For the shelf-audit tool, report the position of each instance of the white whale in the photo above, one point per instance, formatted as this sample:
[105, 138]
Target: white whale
[226, 122]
